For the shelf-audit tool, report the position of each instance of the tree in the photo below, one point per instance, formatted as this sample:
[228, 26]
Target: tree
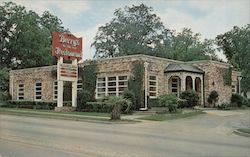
[187, 46]
[235, 44]
[25, 37]
[136, 30]
[133, 30]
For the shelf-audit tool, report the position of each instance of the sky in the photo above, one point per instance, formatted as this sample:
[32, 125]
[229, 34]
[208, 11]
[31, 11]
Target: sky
[207, 17]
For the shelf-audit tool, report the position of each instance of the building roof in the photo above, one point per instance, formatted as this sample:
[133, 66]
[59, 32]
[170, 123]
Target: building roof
[182, 67]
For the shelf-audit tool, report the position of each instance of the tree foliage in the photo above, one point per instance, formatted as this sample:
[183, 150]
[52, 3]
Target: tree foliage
[25, 37]
[133, 30]
[137, 30]
[89, 75]
[187, 46]
[235, 44]
[135, 84]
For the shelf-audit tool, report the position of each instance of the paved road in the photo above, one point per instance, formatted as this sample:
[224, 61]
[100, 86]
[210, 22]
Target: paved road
[202, 136]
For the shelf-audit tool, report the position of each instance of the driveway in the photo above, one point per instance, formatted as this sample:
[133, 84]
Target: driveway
[203, 135]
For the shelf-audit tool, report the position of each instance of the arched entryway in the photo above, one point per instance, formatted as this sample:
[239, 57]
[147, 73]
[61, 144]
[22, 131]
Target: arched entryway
[198, 87]
[189, 83]
[174, 85]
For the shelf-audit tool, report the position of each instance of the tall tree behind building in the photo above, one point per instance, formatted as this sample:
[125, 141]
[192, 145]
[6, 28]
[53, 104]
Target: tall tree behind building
[137, 30]
[235, 44]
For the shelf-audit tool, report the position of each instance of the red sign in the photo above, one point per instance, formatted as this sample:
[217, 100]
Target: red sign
[67, 46]
[68, 71]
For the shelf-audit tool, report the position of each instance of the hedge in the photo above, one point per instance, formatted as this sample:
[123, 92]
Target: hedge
[30, 104]
[153, 102]
[97, 107]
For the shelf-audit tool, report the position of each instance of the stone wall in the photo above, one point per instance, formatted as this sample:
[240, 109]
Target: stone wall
[214, 79]
[29, 77]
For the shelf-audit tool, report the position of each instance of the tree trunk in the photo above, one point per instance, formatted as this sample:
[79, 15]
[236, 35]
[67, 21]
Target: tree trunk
[116, 112]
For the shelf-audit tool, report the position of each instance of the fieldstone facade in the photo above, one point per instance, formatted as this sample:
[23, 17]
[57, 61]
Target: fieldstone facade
[113, 74]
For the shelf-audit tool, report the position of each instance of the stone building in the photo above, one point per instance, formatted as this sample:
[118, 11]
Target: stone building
[161, 76]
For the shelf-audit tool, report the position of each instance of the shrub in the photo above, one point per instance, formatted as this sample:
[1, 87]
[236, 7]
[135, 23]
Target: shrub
[117, 103]
[213, 98]
[82, 98]
[224, 106]
[191, 98]
[169, 101]
[127, 94]
[238, 100]
[181, 103]
[153, 102]
[4, 96]
[97, 107]
[30, 105]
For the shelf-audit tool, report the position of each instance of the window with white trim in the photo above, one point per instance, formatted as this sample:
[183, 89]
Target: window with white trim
[152, 86]
[38, 91]
[175, 85]
[112, 85]
[20, 91]
[79, 85]
[55, 90]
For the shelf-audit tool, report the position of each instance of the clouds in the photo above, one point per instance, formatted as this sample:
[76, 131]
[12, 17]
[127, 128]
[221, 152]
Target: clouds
[83, 17]
[68, 8]
[220, 16]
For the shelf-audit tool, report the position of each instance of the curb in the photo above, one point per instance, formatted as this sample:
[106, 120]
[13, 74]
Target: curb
[83, 119]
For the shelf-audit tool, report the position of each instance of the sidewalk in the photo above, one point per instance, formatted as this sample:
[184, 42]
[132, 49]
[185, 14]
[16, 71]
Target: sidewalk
[222, 113]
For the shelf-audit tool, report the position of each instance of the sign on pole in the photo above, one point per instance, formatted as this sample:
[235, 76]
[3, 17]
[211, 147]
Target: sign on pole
[66, 47]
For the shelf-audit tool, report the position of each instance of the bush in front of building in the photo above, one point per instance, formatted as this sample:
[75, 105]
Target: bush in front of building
[238, 100]
[128, 94]
[30, 105]
[117, 103]
[97, 107]
[83, 97]
[170, 101]
[213, 98]
[191, 98]
[4, 96]
[224, 106]
[153, 102]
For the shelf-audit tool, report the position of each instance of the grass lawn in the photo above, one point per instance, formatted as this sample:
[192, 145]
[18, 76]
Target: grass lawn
[245, 130]
[53, 114]
[171, 116]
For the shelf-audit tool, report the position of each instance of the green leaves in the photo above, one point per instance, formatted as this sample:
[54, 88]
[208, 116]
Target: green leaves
[132, 31]
[137, 30]
[25, 37]
[236, 46]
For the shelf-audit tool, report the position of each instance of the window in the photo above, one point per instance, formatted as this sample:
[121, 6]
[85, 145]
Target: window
[55, 90]
[101, 87]
[152, 86]
[233, 89]
[20, 91]
[38, 91]
[79, 85]
[174, 85]
[113, 86]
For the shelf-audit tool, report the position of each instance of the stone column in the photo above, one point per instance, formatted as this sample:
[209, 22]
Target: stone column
[74, 87]
[146, 85]
[202, 91]
[59, 84]
[183, 82]
[239, 79]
